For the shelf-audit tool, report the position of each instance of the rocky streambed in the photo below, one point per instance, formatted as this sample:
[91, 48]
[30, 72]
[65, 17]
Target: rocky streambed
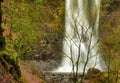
[43, 69]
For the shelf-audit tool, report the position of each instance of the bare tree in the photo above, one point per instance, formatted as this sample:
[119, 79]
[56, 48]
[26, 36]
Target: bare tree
[82, 36]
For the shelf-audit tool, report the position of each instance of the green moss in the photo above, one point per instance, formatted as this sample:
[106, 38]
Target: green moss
[11, 65]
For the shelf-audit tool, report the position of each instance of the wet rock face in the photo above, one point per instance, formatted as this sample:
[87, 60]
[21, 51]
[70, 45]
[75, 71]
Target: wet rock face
[50, 48]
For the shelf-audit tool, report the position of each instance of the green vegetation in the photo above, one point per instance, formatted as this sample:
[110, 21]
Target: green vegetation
[110, 30]
[22, 20]
[39, 24]
[29, 22]
[110, 37]
[25, 24]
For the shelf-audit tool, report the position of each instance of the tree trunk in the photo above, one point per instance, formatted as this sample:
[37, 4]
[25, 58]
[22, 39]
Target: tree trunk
[2, 40]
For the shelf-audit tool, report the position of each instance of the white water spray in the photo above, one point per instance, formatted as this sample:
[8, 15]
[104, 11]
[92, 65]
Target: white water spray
[80, 45]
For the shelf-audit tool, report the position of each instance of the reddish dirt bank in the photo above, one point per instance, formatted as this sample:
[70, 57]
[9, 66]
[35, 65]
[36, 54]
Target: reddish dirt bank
[29, 77]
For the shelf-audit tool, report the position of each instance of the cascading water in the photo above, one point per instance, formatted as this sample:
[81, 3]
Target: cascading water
[80, 45]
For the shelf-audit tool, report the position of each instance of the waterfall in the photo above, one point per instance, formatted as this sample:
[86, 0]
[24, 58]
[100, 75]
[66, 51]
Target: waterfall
[80, 45]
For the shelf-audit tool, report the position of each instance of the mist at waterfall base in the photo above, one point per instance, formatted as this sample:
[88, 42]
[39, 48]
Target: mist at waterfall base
[80, 45]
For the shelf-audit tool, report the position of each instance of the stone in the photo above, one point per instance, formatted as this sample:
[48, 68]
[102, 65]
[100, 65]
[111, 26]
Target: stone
[92, 73]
